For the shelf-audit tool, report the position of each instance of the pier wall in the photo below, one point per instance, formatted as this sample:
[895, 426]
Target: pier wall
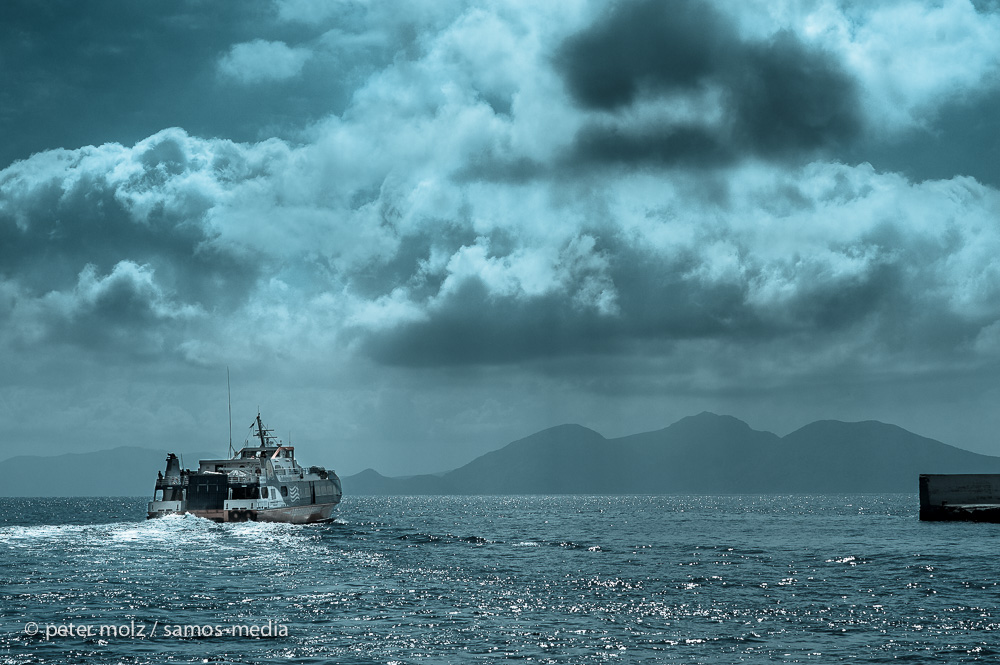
[960, 496]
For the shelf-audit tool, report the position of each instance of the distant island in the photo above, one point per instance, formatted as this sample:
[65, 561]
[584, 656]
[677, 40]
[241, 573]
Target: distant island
[122, 471]
[702, 454]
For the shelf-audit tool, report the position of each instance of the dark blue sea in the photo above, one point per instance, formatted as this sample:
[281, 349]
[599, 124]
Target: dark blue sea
[540, 579]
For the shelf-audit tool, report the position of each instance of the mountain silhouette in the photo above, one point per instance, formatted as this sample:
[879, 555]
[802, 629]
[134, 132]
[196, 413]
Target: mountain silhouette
[701, 454]
[123, 471]
[706, 453]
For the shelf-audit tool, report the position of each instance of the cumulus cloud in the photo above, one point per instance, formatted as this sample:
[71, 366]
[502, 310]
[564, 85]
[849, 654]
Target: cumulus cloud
[658, 196]
[376, 218]
[125, 311]
[820, 249]
[261, 61]
[913, 57]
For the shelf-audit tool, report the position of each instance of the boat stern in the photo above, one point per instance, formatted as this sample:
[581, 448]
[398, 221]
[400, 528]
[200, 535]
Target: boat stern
[168, 494]
[161, 508]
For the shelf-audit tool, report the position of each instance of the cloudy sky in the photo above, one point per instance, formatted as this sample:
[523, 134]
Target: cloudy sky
[416, 231]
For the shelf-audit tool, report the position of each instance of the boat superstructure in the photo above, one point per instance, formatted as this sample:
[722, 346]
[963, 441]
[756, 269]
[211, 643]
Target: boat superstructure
[260, 482]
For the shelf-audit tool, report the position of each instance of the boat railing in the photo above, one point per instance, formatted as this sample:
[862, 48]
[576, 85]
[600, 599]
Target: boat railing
[243, 475]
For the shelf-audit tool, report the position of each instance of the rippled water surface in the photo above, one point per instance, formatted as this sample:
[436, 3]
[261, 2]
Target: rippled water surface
[567, 579]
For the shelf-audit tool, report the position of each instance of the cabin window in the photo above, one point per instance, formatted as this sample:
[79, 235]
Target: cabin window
[284, 490]
[158, 495]
[263, 492]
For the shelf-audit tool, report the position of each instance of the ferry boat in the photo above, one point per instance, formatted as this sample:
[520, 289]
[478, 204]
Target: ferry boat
[259, 483]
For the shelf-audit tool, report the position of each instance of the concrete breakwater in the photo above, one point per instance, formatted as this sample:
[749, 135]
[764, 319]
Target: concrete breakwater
[961, 496]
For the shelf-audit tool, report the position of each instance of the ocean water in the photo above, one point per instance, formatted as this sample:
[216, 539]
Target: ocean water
[539, 579]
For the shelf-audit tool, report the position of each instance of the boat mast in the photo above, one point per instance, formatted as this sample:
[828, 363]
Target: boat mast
[229, 392]
[260, 431]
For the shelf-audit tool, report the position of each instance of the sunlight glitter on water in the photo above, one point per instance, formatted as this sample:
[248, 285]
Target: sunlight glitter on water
[546, 578]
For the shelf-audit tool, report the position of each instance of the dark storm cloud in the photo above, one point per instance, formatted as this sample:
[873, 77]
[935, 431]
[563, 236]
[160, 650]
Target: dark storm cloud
[657, 298]
[125, 312]
[643, 46]
[778, 97]
[788, 97]
[474, 327]
[495, 168]
[411, 203]
[964, 138]
[670, 145]
[447, 238]
[893, 278]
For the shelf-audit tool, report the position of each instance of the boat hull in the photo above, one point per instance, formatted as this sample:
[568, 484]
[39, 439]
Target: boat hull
[261, 483]
[320, 512]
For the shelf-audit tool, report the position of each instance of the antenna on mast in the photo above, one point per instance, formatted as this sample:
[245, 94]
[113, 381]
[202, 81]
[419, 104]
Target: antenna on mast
[229, 391]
